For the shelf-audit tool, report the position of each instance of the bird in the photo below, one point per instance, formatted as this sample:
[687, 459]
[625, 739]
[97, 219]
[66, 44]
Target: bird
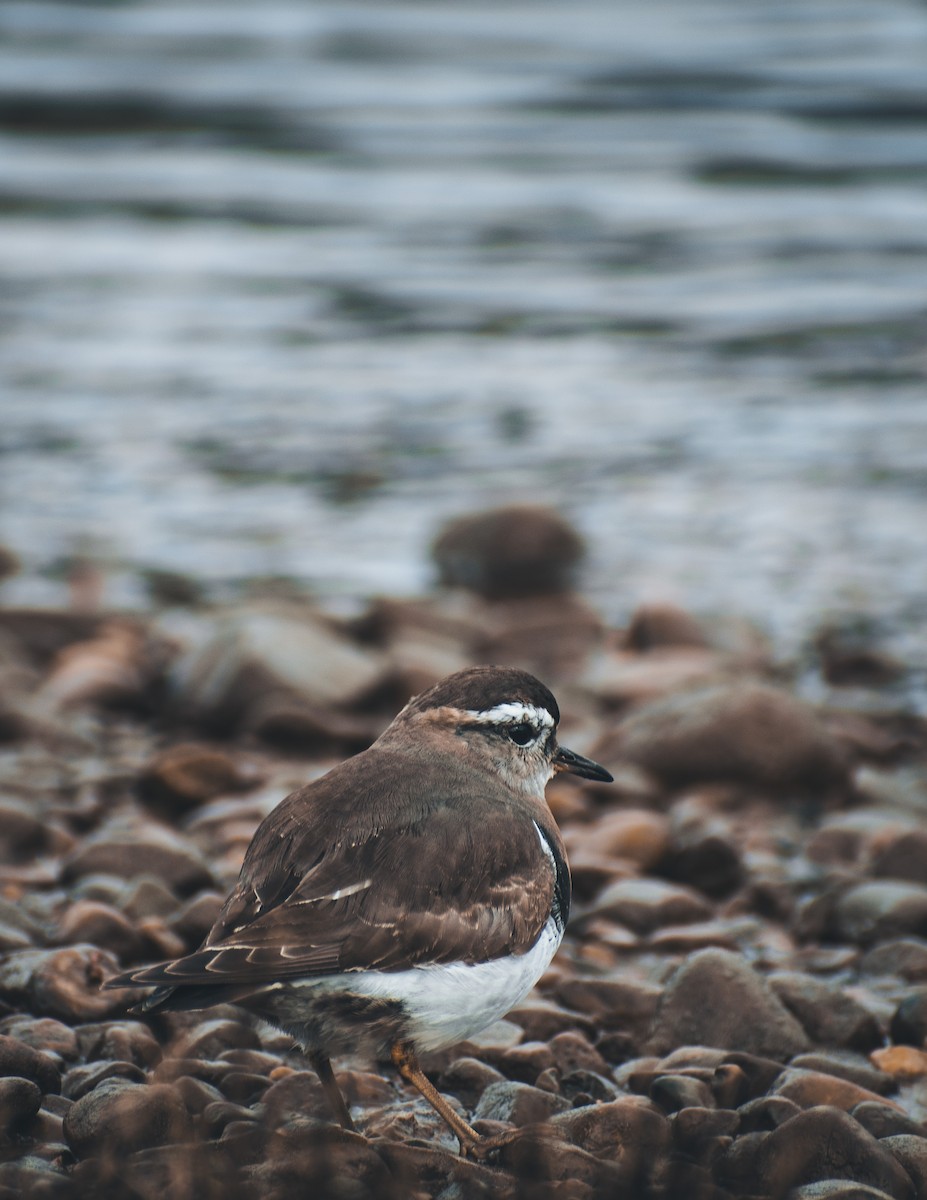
[407, 899]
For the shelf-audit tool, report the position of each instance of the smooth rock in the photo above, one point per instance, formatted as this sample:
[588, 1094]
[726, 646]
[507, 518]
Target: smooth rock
[901, 1062]
[846, 1064]
[744, 731]
[629, 1129]
[903, 858]
[911, 1152]
[19, 1059]
[837, 1189]
[909, 1021]
[765, 1113]
[628, 1004]
[519, 550]
[99, 924]
[716, 999]
[41, 1033]
[467, 1079]
[906, 957]
[119, 1117]
[211, 1037]
[638, 835]
[184, 776]
[83, 1079]
[828, 1015]
[883, 1120]
[826, 1143]
[647, 904]
[811, 1089]
[880, 909]
[517, 1103]
[150, 850]
[20, 1100]
[127, 1041]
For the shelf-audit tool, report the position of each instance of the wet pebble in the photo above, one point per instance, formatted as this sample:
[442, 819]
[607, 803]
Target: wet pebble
[520, 550]
[150, 850]
[20, 1100]
[880, 909]
[717, 999]
[119, 1116]
[517, 1104]
[19, 1059]
[467, 1078]
[83, 1079]
[909, 1021]
[809, 1089]
[828, 1015]
[820, 1144]
[646, 904]
[751, 732]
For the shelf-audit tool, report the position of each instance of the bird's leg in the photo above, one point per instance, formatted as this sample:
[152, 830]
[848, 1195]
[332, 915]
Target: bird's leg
[406, 1064]
[323, 1068]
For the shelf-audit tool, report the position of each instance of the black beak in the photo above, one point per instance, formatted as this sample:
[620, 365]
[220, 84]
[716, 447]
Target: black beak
[575, 764]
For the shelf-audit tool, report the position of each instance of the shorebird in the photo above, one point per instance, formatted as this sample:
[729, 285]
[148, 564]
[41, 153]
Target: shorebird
[407, 899]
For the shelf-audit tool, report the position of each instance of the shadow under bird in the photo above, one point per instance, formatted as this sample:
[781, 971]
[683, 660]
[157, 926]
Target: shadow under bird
[405, 900]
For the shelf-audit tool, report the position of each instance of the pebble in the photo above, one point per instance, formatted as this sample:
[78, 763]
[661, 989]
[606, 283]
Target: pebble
[210, 1038]
[809, 1089]
[631, 1128]
[519, 550]
[41, 1033]
[19, 1059]
[819, 1144]
[882, 1120]
[182, 777]
[906, 957]
[83, 1079]
[637, 835]
[716, 999]
[149, 850]
[646, 904]
[745, 731]
[627, 1004]
[119, 1116]
[20, 1100]
[129, 1041]
[902, 858]
[909, 1021]
[847, 1065]
[467, 1078]
[880, 909]
[517, 1104]
[828, 1015]
[901, 1062]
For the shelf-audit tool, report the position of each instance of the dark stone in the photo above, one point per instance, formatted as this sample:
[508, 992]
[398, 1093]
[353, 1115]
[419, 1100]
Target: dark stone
[629, 1129]
[879, 909]
[694, 1129]
[152, 850]
[119, 1117]
[99, 924]
[903, 858]
[909, 1022]
[211, 1037]
[906, 957]
[20, 1100]
[64, 983]
[520, 550]
[647, 904]
[16, 1058]
[41, 1033]
[308, 1159]
[83, 1079]
[829, 1016]
[672, 1092]
[911, 1152]
[825, 1143]
[127, 1041]
[299, 1094]
[852, 1067]
[517, 1103]
[467, 1079]
[716, 999]
[882, 1120]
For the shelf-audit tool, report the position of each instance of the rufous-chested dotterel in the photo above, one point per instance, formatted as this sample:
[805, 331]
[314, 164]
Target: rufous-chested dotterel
[407, 899]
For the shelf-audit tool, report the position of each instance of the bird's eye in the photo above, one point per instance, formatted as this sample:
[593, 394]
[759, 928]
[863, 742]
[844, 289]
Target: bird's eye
[521, 735]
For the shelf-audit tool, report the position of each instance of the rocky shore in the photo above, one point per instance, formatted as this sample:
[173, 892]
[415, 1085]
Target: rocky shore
[739, 1008]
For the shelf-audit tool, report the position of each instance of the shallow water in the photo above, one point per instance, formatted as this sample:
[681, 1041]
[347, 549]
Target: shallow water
[285, 286]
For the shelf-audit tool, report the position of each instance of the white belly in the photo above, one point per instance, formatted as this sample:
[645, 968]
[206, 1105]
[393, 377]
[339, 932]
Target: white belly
[450, 1002]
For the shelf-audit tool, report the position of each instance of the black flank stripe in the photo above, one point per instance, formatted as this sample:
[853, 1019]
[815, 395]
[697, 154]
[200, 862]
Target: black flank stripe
[560, 909]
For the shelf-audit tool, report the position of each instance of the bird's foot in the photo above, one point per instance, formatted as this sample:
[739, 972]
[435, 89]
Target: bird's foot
[486, 1148]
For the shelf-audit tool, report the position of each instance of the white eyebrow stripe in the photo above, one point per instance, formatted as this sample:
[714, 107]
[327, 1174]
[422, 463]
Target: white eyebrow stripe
[513, 713]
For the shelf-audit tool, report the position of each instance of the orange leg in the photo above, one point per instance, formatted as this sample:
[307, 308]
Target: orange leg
[406, 1064]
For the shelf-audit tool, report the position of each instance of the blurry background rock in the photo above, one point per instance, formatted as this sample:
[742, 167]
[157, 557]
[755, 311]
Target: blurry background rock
[347, 346]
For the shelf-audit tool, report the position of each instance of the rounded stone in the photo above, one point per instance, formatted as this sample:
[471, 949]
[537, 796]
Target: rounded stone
[119, 1117]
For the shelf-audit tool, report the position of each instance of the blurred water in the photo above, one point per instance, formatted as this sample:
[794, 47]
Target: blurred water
[284, 286]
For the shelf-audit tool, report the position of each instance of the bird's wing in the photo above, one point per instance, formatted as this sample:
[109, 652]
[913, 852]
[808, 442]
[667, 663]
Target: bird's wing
[463, 880]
